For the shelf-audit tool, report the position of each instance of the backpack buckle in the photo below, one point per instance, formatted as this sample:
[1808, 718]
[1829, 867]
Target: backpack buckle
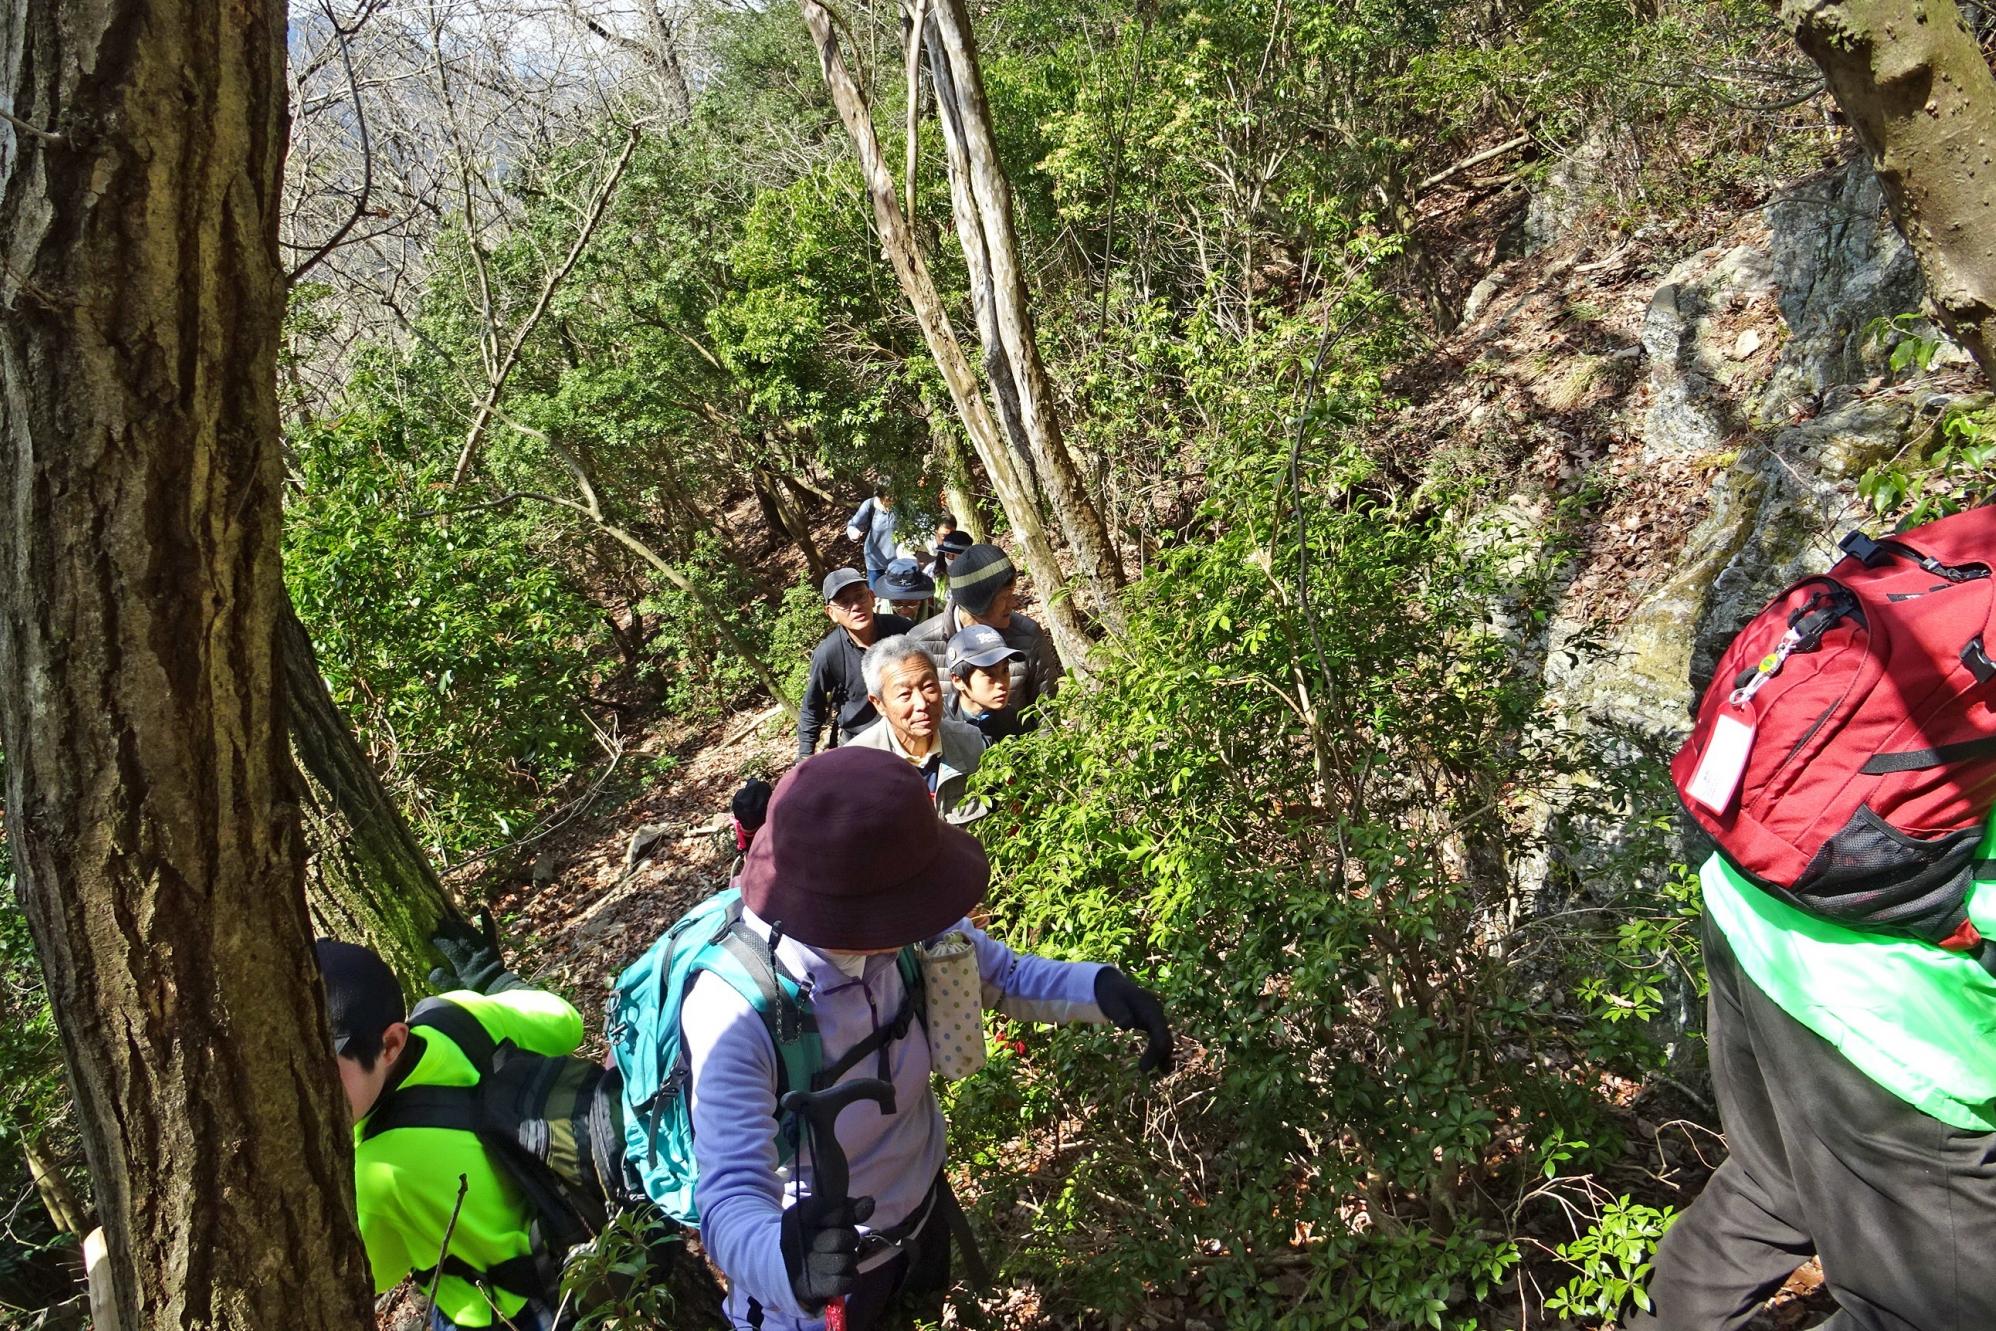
[1861, 548]
[1978, 662]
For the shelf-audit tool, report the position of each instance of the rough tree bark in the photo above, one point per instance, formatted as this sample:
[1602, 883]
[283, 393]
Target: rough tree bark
[911, 269]
[149, 793]
[1911, 80]
[387, 893]
[982, 198]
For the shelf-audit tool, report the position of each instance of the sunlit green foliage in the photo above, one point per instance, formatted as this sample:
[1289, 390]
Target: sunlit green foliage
[1310, 800]
[457, 646]
[1303, 811]
[1949, 466]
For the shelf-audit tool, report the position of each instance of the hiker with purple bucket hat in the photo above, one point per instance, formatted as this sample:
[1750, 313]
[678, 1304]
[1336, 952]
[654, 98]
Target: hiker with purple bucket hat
[853, 867]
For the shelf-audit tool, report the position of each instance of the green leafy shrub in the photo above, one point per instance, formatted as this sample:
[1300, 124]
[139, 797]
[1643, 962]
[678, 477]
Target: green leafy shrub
[1948, 468]
[458, 647]
[1303, 810]
[1614, 1259]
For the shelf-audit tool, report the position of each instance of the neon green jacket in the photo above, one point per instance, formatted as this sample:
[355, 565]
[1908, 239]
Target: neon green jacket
[405, 1181]
[1916, 1019]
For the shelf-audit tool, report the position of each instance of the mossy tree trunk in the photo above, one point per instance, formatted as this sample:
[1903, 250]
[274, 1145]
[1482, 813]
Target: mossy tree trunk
[1911, 80]
[376, 885]
[150, 803]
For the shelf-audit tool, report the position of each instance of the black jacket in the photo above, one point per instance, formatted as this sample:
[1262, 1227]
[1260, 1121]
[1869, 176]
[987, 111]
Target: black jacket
[994, 726]
[835, 691]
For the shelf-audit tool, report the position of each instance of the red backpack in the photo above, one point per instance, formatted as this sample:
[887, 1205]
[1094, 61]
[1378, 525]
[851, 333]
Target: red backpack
[1844, 756]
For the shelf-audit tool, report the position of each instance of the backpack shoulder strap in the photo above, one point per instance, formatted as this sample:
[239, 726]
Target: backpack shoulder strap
[913, 982]
[455, 1108]
[460, 1027]
[755, 973]
[914, 1007]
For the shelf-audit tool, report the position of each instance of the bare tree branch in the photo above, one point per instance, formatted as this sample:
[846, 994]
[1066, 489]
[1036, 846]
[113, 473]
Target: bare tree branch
[496, 383]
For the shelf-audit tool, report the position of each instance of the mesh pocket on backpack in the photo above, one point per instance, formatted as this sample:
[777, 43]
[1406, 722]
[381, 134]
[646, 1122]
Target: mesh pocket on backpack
[1873, 875]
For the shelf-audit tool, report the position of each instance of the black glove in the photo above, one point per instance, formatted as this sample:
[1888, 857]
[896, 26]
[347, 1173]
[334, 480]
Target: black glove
[1134, 1008]
[473, 954]
[821, 1247]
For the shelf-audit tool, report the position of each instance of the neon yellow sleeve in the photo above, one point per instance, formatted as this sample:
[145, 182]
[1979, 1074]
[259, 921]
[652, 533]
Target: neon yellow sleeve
[388, 1259]
[533, 1019]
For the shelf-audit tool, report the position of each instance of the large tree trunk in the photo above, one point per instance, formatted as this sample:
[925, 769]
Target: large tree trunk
[982, 198]
[911, 269]
[149, 800]
[1913, 84]
[384, 892]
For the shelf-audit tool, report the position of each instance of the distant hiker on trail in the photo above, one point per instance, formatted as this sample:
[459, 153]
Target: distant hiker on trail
[980, 676]
[949, 546]
[857, 868]
[406, 1180]
[914, 725]
[872, 526]
[983, 589]
[835, 692]
[1844, 764]
[906, 589]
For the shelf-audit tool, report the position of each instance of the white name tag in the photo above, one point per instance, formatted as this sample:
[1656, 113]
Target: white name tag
[1717, 779]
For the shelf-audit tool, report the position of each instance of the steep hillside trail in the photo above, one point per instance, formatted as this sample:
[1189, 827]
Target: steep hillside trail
[571, 911]
[1622, 386]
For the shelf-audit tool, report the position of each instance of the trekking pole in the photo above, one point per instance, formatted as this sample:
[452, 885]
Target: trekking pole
[831, 1177]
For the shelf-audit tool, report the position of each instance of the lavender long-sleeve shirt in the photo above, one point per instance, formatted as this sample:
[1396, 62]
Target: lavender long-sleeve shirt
[894, 1158]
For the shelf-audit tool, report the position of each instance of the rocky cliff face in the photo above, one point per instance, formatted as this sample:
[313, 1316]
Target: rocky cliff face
[1711, 412]
[1687, 411]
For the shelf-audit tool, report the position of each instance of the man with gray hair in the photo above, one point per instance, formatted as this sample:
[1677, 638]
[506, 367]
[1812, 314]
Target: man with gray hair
[903, 686]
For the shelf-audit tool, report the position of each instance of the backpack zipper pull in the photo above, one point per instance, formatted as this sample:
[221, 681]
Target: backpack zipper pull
[1770, 665]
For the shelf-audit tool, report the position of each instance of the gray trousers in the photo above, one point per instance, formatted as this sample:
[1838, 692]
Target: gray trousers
[1900, 1206]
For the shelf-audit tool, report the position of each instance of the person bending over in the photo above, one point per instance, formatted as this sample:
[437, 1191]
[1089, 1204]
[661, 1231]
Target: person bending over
[406, 1181]
[1856, 1082]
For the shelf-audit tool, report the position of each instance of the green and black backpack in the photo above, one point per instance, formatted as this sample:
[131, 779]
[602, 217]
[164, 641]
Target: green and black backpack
[554, 1126]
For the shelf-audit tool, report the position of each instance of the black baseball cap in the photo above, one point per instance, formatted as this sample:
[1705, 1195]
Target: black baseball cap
[839, 579]
[363, 997]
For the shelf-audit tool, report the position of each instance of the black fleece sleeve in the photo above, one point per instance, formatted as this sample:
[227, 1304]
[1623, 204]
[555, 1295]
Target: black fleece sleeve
[811, 709]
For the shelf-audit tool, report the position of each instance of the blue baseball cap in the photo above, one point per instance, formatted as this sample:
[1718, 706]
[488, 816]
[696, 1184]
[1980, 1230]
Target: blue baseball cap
[979, 646]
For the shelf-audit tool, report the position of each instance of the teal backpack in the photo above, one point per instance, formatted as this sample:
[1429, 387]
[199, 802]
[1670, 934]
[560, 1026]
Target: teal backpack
[645, 1041]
